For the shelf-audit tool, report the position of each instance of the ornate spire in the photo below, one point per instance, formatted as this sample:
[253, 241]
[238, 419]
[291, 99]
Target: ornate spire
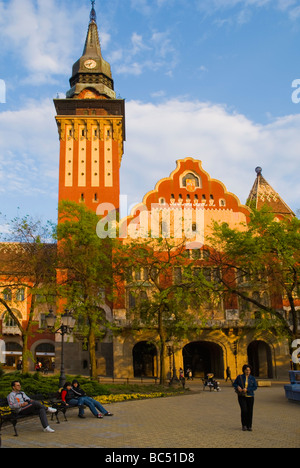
[93, 16]
[91, 70]
[262, 194]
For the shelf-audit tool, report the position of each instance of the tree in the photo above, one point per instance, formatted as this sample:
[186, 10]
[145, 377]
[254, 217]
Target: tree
[28, 262]
[85, 272]
[261, 265]
[165, 289]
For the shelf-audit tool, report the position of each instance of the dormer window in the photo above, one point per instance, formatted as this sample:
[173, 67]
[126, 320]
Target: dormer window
[191, 182]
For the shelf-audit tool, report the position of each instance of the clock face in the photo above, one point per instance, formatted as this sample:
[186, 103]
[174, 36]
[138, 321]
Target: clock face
[90, 64]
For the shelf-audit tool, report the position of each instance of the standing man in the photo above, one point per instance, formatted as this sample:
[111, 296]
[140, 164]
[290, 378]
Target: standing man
[245, 386]
[20, 403]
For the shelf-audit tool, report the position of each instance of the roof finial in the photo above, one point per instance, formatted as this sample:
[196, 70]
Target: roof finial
[258, 171]
[93, 16]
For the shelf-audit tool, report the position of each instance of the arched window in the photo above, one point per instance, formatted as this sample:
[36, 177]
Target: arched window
[191, 181]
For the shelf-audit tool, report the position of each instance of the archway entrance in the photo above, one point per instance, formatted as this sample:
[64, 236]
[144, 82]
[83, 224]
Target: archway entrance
[203, 357]
[144, 360]
[260, 359]
[45, 354]
[13, 354]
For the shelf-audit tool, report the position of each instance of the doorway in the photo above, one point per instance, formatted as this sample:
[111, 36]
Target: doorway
[203, 357]
[260, 359]
[144, 360]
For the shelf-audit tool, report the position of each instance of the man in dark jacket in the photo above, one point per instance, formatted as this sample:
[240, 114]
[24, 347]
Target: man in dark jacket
[245, 386]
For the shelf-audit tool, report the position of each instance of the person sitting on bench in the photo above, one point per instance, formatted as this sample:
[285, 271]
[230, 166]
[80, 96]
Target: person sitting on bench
[19, 402]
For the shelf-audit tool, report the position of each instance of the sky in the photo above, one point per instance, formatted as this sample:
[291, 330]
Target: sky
[216, 80]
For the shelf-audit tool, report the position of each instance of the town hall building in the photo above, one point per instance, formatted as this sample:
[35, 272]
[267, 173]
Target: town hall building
[91, 129]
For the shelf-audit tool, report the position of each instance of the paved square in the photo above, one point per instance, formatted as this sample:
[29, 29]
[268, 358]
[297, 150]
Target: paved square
[198, 420]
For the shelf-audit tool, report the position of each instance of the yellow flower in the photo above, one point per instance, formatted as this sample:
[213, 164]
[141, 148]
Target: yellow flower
[106, 399]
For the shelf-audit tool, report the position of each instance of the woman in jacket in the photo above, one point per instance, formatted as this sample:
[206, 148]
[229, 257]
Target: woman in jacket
[245, 386]
[96, 408]
[71, 398]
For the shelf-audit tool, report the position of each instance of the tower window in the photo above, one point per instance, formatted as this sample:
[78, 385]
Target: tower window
[82, 197]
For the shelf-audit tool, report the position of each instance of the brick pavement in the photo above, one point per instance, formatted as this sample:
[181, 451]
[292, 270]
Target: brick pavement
[198, 420]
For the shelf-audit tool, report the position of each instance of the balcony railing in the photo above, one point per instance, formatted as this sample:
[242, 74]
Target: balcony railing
[10, 330]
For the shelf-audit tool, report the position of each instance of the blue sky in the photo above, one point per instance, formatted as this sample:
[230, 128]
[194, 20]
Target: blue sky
[209, 79]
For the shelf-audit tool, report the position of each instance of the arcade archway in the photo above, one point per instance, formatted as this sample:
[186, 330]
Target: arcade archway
[144, 359]
[260, 359]
[45, 355]
[203, 357]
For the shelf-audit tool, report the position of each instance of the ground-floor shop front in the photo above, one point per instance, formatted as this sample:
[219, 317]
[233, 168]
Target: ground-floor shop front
[137, 355]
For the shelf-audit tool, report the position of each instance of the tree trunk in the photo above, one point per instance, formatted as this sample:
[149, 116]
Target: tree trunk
[162, 335]
[25, 356]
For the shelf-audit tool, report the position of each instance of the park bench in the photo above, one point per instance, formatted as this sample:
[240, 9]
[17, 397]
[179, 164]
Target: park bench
[8, 416]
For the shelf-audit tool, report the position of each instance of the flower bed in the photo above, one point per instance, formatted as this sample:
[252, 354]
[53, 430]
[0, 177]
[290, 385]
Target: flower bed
[106, 399]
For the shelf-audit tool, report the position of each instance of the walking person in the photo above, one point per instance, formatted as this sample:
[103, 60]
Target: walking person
[228, 375]
[245, 386]
[19, 402]
[181, 377]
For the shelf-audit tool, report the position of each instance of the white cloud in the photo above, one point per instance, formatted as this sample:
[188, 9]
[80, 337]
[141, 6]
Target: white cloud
[29, 150]
[229, 145]
[145, 53]
[244, 8]
[41, 35]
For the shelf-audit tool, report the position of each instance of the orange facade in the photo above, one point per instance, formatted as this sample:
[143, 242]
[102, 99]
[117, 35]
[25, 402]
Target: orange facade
[91, 135]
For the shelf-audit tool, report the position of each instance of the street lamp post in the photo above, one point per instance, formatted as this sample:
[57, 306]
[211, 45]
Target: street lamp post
[171, 350]
[66, 327]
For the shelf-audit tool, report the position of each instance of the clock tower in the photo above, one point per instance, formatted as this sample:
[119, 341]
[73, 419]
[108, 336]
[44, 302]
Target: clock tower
[91, 126]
